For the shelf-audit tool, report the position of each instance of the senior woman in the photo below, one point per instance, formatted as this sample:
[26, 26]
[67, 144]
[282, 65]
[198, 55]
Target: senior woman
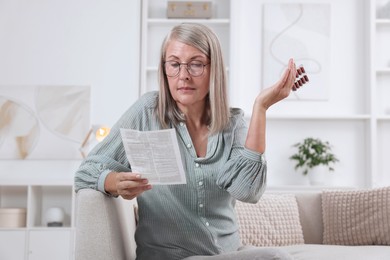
[223, 157]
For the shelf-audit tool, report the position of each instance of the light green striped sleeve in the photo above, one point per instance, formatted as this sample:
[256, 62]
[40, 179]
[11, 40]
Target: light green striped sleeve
[244, 174]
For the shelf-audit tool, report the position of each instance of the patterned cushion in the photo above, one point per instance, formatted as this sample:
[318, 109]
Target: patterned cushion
[357, 217]
[273, 221]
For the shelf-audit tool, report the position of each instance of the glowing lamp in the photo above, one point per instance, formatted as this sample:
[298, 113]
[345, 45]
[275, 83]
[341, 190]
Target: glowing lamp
[100, 132]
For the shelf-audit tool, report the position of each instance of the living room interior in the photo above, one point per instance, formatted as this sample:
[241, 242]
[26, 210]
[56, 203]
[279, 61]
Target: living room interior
[106, 53]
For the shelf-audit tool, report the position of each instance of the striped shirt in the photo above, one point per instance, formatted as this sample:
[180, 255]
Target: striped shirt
[197, 218]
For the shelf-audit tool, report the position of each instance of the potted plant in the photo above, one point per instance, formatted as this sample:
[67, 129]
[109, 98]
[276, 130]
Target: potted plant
[313, 153]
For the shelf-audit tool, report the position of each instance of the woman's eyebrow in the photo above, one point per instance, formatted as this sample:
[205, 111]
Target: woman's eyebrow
[172, 56]
[198, 56]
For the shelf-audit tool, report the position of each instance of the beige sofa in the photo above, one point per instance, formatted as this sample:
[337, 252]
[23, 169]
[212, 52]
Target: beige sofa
[105, 228]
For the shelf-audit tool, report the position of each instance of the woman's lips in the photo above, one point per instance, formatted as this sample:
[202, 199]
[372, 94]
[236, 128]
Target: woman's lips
[185, 89]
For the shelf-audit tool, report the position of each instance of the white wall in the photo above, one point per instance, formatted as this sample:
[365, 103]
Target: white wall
[88, 42]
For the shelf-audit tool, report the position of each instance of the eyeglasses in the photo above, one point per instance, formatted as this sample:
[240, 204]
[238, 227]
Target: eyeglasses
[195, 68]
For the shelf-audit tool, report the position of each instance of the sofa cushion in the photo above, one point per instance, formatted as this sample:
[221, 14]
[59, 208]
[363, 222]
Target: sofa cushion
[356, 217]
[273, 221]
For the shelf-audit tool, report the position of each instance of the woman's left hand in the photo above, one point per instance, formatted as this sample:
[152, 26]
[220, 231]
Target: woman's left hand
[280, 90]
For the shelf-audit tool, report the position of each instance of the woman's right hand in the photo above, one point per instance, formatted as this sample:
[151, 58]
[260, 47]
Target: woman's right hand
[128, 185]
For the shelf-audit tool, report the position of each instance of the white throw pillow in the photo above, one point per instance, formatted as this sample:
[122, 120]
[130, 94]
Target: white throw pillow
[273, 221]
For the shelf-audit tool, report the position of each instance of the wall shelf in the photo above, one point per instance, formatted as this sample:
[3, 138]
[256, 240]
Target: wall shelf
[383, 71]
[382, 21]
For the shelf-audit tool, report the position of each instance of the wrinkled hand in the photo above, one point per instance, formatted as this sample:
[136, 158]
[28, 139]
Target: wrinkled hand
[280, 90]
[130, 185]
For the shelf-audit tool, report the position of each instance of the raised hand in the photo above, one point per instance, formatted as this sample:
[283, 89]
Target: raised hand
[292, 79]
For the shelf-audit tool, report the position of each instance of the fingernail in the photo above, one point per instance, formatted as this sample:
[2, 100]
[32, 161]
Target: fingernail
[138, 176]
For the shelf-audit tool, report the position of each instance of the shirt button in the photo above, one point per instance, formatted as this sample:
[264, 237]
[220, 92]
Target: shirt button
[207, 224]
[197, 165]
[200, 183]
[181, 124]
[200, 205]
[189, 145]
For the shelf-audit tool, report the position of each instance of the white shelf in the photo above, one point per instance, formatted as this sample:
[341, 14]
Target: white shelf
[383, 71]
[382, 21]
[51, 228]
[384, 118]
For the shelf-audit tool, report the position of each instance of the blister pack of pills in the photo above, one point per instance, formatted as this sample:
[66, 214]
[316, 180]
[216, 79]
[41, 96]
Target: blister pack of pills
[301, 78]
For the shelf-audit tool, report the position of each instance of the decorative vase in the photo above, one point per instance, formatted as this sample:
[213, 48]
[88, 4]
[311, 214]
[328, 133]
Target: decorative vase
[55, 217]
[317, 175]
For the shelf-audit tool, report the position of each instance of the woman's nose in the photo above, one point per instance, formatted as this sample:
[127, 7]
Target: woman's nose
[183, 72]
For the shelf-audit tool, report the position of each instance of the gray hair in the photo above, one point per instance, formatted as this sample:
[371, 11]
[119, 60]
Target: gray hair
[205, 40]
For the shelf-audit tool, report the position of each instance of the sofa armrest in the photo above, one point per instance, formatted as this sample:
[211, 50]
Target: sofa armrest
[104, 227]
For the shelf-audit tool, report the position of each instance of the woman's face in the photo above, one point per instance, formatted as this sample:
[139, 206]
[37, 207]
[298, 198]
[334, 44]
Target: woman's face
[187, 90]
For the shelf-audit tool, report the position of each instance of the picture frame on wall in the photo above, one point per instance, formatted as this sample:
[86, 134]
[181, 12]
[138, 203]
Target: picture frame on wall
[43, 122]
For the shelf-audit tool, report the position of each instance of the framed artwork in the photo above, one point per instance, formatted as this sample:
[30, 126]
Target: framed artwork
[302, 32]
[43, 122]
